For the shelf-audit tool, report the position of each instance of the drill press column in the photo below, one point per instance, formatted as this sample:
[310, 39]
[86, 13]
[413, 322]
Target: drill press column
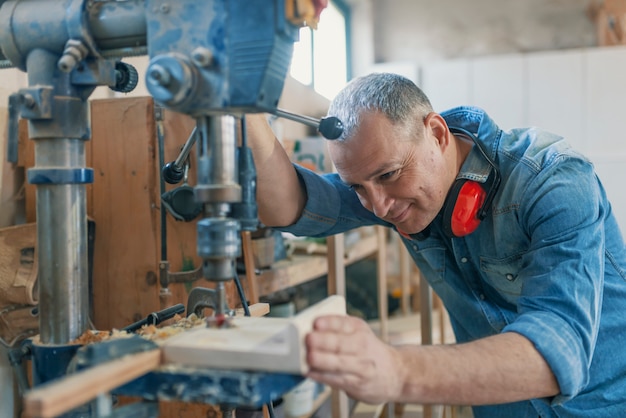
[217, 189]
[59, 128]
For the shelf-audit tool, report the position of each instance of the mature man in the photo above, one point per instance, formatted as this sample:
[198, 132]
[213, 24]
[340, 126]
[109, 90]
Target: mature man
[514, 232]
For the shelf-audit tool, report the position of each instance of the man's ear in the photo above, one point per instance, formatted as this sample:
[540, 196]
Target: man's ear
[437, 128]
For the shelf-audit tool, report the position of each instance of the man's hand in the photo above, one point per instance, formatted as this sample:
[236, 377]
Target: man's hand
[343, 352]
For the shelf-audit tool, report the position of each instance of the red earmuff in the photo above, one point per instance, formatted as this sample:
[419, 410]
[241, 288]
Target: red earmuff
[462, 207]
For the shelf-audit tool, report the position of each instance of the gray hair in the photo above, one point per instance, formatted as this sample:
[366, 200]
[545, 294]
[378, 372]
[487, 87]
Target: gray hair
[397, 97]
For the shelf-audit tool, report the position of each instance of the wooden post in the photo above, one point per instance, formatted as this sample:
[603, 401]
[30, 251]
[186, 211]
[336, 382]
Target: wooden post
[381, 278]
[337, 286]
[248, 261]
[426, 316]
[405, 278]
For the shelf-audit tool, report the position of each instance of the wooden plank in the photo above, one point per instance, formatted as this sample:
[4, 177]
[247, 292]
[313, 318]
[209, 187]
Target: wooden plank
[340, 404]
[426, 311]
[248, 261]
[124, 206]
[9, 178]
[26, 159]
[257, 309]
[289, 273]
[336, 265]
[405, 278]
[263, 344]
[71, 391]
[381, 280]
[337, 285]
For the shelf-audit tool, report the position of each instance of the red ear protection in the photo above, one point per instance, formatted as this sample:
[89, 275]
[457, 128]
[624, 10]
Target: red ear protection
[462, 208]
[467, 202]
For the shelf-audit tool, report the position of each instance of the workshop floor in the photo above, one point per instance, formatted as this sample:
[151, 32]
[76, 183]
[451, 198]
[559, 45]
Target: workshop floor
[414, 411]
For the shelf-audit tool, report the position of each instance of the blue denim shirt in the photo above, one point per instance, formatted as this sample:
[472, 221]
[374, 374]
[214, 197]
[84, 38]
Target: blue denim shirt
[547, 262]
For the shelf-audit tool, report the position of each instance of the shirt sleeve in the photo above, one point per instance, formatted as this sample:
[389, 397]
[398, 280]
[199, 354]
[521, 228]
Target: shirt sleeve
[564, 210]
[331, 207]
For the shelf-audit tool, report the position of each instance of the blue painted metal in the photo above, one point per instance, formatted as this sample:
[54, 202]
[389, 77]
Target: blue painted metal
[235, 54]
[60, 175]
[50, 361]
[215, 387]
[25, 26]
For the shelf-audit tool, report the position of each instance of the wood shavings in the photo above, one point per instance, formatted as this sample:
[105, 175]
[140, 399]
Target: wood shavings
[149, 332]
[90, 336]
[152, 333]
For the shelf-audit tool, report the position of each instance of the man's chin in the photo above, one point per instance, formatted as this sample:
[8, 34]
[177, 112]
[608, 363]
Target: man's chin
[411, 229]
[418, 234]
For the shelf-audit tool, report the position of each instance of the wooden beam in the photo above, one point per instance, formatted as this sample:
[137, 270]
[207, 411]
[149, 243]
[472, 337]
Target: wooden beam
[248, 261]
[257, 309]
[71, 391]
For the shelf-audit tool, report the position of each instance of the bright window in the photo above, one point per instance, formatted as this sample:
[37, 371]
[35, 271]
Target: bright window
[320, 57]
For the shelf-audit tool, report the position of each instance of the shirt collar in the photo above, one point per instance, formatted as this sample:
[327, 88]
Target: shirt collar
[476, 121]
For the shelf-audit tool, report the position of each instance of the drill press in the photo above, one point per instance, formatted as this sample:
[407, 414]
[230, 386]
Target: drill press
[214, 60]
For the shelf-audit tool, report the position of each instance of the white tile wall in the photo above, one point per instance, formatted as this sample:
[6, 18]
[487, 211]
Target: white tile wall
[580, 94]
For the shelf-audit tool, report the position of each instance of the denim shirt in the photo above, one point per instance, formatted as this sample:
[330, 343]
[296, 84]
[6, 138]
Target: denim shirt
[547, 262]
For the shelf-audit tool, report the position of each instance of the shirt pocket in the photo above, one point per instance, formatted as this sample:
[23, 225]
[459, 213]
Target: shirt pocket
[503, 275]
[432, 264]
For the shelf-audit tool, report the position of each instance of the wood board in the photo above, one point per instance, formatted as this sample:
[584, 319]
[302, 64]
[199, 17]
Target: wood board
[261, 344]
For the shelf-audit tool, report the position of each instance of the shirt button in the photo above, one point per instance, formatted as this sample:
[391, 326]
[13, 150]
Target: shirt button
[464, 260]
[482, 296]
[509, 277]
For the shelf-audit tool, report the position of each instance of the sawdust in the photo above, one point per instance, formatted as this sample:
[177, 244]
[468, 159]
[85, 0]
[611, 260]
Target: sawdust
[149, 332]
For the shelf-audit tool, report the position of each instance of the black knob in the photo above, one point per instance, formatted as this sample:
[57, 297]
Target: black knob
[172, 174]
[330, 127]
[126, 78]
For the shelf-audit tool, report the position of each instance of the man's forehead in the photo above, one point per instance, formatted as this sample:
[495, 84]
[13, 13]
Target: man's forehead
[356, 163]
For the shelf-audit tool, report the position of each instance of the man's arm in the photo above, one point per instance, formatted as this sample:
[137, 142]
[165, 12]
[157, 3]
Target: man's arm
[280, 196]
[344, 353]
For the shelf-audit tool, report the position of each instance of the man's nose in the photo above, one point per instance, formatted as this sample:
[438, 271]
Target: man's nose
[380, 201]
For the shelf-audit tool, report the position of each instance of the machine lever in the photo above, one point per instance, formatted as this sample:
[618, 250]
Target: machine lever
[174, 171]
[330, 127]
[156, 318]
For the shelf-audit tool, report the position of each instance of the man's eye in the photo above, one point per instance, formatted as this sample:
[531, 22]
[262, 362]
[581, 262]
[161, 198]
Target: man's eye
[355, 187]
[388, 175]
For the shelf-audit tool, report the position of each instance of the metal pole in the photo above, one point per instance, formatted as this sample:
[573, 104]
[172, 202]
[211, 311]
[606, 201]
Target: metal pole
[60, 175]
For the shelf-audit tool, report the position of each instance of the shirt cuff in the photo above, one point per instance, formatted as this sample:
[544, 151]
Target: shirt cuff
[559, 347]
[322, 207]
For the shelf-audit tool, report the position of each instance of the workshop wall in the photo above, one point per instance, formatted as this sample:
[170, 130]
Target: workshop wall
[421, 31]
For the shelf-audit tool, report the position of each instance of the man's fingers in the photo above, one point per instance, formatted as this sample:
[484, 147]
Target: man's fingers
[347, 362]
[340, 323]
[331, 342]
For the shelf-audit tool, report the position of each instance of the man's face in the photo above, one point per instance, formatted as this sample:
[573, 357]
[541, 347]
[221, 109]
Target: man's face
[399, 174]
